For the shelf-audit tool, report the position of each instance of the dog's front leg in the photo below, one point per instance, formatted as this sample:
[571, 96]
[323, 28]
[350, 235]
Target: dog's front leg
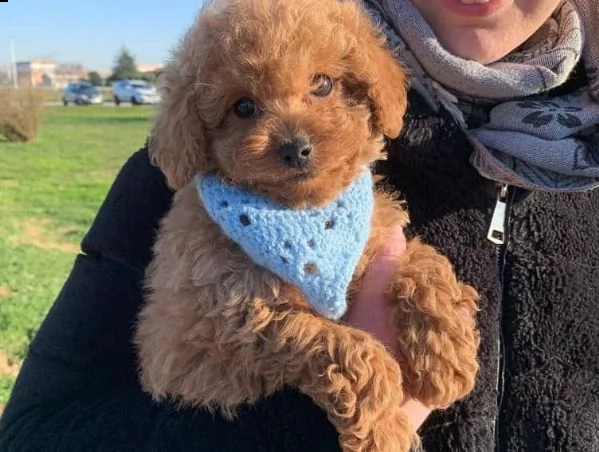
[437, 336]
[347, 373]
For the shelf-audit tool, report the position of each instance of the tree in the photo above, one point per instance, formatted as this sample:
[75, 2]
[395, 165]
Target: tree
[94, 78]
[124, 66]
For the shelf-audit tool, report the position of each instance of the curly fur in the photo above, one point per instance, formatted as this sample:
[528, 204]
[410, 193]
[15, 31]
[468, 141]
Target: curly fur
[219, 331]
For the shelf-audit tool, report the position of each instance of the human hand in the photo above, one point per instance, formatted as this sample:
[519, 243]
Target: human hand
[370, 309]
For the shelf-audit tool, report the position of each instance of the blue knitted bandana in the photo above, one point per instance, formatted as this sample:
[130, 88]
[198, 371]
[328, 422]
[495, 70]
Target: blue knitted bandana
[316, 249]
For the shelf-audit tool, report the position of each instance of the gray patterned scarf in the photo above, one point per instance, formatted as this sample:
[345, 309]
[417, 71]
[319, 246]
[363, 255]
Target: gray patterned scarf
[521, 136]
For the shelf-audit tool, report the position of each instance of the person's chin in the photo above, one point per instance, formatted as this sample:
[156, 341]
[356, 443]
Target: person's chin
[475, 45]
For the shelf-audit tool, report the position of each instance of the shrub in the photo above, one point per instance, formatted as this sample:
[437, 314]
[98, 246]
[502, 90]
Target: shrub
[20, 113]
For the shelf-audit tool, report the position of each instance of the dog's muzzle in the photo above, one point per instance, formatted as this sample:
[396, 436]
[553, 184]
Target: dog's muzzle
[296, 153]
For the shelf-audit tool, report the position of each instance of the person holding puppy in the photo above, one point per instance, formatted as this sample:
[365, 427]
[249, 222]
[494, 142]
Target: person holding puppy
[498, 162]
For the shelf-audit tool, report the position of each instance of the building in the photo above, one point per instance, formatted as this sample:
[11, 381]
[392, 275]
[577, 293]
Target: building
[68, 73]
[36, 73]
[145, 68]
[48, 74]
[5, 75]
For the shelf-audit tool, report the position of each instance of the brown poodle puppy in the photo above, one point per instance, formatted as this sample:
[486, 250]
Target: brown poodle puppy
[218, 330]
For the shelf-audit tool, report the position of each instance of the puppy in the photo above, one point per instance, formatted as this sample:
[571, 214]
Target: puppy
[289, 101]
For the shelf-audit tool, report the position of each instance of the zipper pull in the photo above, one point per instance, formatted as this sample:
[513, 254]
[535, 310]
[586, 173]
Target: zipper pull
[496, 232]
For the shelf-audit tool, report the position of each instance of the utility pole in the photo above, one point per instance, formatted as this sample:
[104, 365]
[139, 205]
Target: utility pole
[13, 64]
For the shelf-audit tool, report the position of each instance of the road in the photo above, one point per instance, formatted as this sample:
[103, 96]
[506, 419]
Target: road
[59, 104]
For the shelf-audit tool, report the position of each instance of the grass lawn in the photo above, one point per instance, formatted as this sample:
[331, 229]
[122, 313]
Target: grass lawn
[50, 190]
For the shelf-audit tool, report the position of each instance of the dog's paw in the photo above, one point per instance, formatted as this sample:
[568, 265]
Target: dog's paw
[390, 432]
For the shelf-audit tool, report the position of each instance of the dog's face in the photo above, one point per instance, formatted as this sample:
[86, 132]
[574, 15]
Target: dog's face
[289, 98]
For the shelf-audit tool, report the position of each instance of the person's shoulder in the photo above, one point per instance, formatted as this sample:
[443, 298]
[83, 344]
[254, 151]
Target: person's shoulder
[126, 223]
[137, 166]
[418, 105]
[424, 124]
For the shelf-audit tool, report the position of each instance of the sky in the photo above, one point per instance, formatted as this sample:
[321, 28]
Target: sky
[91, 32]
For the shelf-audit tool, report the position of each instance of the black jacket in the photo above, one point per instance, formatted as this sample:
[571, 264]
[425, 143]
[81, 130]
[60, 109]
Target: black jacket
[538, 388]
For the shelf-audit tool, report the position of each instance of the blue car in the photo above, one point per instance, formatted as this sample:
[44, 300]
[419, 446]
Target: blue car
[81, 93]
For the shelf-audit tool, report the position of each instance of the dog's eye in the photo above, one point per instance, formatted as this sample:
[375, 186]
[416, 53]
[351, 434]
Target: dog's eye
[322, 85]
[246, 108]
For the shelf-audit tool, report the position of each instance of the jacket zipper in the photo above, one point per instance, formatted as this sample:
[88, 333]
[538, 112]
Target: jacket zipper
[498, 226]
[498, 234]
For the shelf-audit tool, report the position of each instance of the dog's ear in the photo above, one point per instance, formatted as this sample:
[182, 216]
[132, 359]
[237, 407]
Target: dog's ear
[377, 71]
[177, 143]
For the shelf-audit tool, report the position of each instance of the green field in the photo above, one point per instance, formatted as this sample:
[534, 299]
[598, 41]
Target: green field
[50, 190]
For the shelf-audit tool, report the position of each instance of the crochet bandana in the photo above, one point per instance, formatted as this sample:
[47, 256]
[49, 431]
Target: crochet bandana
[315, 249]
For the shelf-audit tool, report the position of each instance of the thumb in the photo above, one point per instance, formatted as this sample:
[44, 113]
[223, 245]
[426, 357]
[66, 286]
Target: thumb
[381, 269]
[370, 308]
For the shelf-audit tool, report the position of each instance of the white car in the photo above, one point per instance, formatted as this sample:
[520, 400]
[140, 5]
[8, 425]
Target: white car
[137, 92]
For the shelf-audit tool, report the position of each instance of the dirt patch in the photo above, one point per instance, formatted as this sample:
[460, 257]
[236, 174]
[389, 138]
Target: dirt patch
[33, 233]
[5, 292]
[9, 183]
[69, 230]
[8, 367]
[102, 174]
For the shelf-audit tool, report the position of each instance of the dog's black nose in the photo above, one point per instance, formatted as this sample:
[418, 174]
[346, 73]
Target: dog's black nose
[295, 153]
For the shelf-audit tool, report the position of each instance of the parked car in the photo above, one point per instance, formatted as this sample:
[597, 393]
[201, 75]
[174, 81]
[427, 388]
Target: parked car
[135, 91]
[81, 93]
